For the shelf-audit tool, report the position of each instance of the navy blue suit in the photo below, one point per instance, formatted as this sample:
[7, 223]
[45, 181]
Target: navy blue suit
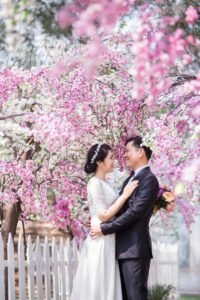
[133, 241]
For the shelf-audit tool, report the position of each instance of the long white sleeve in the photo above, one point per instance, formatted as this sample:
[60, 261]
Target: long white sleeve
[96, 197]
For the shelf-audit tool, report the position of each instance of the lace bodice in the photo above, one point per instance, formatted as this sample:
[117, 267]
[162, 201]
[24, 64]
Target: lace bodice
[100, 195]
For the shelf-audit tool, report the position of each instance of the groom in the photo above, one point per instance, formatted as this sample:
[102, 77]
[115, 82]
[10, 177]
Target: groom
[131, 224]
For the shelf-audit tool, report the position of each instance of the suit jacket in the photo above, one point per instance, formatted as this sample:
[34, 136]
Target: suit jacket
[131, 224]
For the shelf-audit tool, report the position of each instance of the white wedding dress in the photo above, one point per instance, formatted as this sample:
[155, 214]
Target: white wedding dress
[97, 276]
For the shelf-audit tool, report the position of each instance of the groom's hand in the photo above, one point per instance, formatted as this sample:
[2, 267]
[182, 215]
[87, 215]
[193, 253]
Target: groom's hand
[95, 231]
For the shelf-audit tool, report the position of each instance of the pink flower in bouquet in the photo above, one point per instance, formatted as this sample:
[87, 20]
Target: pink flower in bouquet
[166, 200]
[171, 206]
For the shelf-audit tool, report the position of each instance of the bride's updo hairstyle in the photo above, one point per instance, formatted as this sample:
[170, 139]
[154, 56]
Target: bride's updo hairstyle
[97, 152]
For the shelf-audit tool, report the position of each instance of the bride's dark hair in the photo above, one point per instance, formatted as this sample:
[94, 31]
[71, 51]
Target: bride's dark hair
[92, 159]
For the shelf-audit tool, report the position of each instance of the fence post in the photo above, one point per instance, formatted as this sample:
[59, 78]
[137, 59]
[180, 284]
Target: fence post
[47, 270]
[69, 272]
[2, 267]
[39, 268]
[55, 270]
[62, 270]
[30, 267]
[21, 268]
[11, 269]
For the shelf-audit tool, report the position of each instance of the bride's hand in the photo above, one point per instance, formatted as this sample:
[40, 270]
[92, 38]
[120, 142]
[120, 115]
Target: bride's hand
[129, 188]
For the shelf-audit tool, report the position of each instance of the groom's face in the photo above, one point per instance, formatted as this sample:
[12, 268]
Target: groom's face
[132, 155]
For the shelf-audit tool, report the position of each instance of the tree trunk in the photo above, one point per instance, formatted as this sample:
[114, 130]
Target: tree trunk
[11, 217]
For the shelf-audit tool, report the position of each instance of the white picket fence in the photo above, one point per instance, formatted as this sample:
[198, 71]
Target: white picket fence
[47, 270]
[164, 267]
[46, 273]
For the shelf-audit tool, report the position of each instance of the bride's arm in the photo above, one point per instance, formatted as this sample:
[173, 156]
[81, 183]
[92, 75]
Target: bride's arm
[117, 205]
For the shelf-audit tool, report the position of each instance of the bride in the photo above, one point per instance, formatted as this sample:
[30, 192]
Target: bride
[97, 276]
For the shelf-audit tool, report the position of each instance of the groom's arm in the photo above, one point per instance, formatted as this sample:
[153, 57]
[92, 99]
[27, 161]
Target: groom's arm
[138, 205]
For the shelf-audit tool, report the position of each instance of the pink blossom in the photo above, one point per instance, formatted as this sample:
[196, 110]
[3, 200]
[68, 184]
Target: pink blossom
[100, 92]
[191, 15]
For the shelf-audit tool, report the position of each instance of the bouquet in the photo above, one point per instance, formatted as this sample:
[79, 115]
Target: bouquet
[165, 200]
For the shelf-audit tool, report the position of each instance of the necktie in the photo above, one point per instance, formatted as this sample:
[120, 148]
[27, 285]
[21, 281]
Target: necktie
[131, 176]
[132, 173]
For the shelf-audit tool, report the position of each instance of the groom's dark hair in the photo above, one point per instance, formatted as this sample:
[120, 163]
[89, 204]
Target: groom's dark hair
[136, 142]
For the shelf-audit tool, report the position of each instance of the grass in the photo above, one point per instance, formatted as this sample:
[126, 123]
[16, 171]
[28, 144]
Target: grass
[190, 298]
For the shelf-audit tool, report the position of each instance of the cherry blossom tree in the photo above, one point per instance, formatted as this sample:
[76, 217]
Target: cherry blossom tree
[114, 85]
[50, 118]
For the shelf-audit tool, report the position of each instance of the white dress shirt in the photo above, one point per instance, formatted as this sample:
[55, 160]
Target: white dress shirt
[137, 171]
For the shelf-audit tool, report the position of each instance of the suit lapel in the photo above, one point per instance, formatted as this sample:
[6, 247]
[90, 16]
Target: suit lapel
[142, 173]
[124, 184]
[137, 177]
[140, 177]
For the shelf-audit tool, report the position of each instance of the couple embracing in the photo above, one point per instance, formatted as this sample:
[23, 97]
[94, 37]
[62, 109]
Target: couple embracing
[115, 258]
